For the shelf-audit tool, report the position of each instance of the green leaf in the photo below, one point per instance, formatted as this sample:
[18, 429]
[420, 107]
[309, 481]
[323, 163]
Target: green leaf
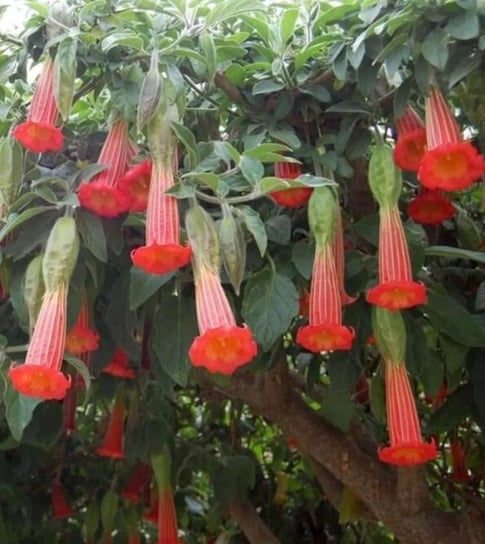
[465, 66]
[451, 318]
[92, 234]
[81, 367]
[231, 477]
[302, 256]
[435, 48]
[266, 152]
[122, 38]
[143, 285]
[455, 253]
[255, 226]
[206, 178]
[463, 26]
[188, 140]
[208, 47]
[269, 305]
[172, 336]
[227, 9]
[454, 355]
[454, 410]
[267, 86]
[338, 408]
[19, 410]
[251, 169]
[476, 370]
[287, 23]
[14, 220]
[349, 106]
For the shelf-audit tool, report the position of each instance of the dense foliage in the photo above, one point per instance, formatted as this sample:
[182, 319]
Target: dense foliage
[259, 136]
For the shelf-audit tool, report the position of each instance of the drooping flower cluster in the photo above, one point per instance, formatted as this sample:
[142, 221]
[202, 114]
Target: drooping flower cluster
[222, 346]
[407, 447]
[40, 376]
[162, 252]
[325, 331]
[396, 289]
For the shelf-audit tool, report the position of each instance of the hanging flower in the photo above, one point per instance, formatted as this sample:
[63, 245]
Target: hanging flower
[450, 163]
[407, 447]
[40, 376]
[293, 197]
[430, 207]
[162, 252]
[112, 445]
[102, 195]
[119, 365]
[60, 507]
[325, 331]
[396, 289]
[411, 140]
[139, 479]
[151, 513]
[222, 346]
[39, 133]
[459, 472]
[135, 184]
[81, 338]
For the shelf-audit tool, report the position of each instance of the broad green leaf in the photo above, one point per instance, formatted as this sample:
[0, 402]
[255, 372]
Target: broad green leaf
[435, 48]
[232, 476]
[208, 47]
[465, 25]
[269, 305]
[454, 410]
[251, 169]
[122, 38]
[188, 140]
[455, 253]
[227, 9]
[338, 408]
[65, 65]
[15, 220]
[349, 106]
[302, 256]
[151, 90]
[92, 234]
[265, 152]
[172, 335]
[451, 318]
[143, 285]
[267, 86]
[287, 23]
[255, 226]
[19, 410]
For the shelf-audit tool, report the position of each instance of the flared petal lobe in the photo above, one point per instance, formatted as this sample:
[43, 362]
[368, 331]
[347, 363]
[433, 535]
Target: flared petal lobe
[223, 349]
[161, 258]
[81, 340]
[325, 337]
[410, 149]
[430, 207]
[397, 295]
[103, 200]
[39, 381]
[119, 365]
[39, 137]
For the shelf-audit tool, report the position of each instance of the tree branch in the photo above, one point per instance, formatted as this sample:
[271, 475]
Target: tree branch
[250, 523]
[271, 395]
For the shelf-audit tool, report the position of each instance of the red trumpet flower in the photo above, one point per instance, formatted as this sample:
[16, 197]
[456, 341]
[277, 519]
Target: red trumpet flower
[60, 507]
[450, 163]
[138, 481]
[222, 346]
[112, 445]
[81, 338]
[163, 252]
[39, 133]
[136, 185]
[411, 140]
[119, 365]
[430, 207]
[40, 376]
[407, 447]
[293, 197]
[102, 194]
[395, 290]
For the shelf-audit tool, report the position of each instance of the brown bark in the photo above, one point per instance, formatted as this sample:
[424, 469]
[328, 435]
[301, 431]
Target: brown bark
[272, 395]
[251, 524]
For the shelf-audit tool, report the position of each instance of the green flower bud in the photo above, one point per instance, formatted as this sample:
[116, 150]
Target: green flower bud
[390, 334]
[109, 508]
[385, 179]
[233, 248]
[12, 170]
[33, 289]
[322, 215]
[61, 253]
[161, 463]
[203, 238]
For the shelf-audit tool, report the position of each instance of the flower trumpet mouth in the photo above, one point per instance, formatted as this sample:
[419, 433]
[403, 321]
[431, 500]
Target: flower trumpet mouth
[39, 381]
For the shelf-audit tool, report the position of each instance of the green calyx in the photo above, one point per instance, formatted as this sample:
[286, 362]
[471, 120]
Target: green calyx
[203, 238]
[161, 139]
[161, 464]
[33, 289]
[61, 253]
[233, 247]
[11, 172]
[390, 334]
[322, 215]
[385, 179]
